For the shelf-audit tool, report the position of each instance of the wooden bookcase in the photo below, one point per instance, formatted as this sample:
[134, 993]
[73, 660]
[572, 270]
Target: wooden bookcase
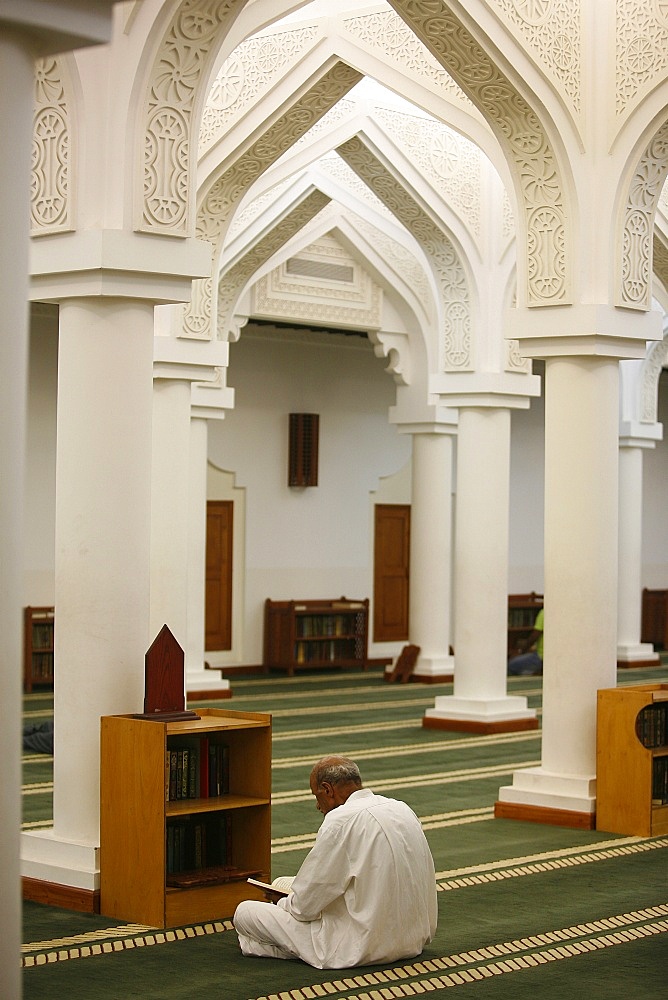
[310, 634]
[632, 760]
[38, 627]
[522, 611]
[654, 621]
[141, 827]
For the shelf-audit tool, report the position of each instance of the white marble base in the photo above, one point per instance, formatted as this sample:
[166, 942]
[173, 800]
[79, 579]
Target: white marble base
[64, 862]
[206, 680]
[535, 787]
[480, 709]
[639, 652]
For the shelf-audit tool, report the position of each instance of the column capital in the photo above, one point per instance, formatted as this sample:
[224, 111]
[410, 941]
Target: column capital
[634, 434]
[510, 390]
[190, 360]
[113, 262]
[586, 329]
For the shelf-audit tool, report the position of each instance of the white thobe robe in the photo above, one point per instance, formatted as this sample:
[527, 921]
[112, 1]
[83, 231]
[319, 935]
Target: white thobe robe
[366, 892]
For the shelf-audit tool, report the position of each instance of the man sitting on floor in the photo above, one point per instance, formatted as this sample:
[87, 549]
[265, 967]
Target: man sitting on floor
[366, 892]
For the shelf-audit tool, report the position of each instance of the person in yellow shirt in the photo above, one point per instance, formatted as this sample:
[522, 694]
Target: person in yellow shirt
[531, 661]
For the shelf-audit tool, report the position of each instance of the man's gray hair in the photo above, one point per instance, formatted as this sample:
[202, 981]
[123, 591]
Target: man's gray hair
[337, 770]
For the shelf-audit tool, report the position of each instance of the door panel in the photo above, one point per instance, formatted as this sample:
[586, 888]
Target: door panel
[391, 572]
[218, 598]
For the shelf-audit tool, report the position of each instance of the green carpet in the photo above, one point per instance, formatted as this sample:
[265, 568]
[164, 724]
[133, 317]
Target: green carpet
[523, 908]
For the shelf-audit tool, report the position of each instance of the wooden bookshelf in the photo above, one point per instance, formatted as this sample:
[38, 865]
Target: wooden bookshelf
[654, 620]
[522, 611]
[167, 861]
[632, 760]
[38, 632]
[304, 635]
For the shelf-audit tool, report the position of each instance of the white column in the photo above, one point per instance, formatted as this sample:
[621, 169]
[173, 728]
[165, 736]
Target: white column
[198, 679]
[16, 96]
[431, 554]
[581, 524]
[103, 501]
[630, 650]
[170, 510]
[480, 701]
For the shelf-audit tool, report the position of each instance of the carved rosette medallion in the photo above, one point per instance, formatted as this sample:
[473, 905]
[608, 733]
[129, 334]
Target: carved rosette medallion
[521, 132]
[50, 208]
[641, 49]
[635, 267]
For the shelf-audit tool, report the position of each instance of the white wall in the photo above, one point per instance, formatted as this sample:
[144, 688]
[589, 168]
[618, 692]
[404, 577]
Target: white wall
[40, 482]
[311, 542]
[527, 496]
[655, 498]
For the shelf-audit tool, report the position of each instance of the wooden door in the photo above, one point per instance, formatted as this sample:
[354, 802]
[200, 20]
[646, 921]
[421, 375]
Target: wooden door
[391, 572]
[218, 599]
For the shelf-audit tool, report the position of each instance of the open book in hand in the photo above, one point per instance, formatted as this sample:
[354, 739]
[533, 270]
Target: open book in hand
[275, 890]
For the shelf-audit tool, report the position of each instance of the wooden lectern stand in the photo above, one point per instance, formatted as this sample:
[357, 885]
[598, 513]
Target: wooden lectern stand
[164, 681]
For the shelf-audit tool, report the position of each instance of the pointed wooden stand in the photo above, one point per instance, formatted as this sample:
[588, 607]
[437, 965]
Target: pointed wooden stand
[164, 683]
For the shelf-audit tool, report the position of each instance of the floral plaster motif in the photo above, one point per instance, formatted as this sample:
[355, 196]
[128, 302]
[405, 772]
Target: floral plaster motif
[641, 48]
[50, 204]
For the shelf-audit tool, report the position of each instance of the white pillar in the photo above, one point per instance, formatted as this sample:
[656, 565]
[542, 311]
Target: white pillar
[16, 96]
[431, 554]
[199, 681]
[630, 650]
[480, 701]
[170, 510]
[103, 501]
[581, 524]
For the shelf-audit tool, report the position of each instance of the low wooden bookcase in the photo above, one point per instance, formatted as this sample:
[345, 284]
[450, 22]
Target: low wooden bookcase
[632, 760]
[522, 612]
[173, 856]
[310, 634]
[38, 629]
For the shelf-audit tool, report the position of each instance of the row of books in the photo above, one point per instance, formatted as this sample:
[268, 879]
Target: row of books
[198, 842]
[325, 625]
[42, 635]
[652, 725]
[42, 666]
[329, 650]
[198, 769]
[660, 781]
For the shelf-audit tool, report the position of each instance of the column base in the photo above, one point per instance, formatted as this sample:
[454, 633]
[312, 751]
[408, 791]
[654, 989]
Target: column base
[62, 873]
[434, 669]
[473, 715]
[206, 682]
[638, 654]
[543, 797]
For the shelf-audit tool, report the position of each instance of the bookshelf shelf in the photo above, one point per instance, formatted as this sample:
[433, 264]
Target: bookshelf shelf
[632, 760]
[209, 845]
[38, 634]
[522, 611]
[312, 634]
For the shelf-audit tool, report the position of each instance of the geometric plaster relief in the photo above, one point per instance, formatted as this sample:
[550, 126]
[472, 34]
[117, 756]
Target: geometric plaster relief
[635, 267]
[663, 200]
[508, 227]
[439, 250]
[520, 131]
[51, 182]
[225, 194]
[339, 171]
[641, 48]
[219, 203]
[401, 260]
[246, 216]
[514, 360]
[245, 74]
[448, 159]
[296, 297]
[232, 281]
[385, 33]
[657, 357]
[553, 31]
[163, 191]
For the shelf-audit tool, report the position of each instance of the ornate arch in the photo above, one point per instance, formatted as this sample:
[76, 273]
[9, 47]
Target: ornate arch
[521, 133]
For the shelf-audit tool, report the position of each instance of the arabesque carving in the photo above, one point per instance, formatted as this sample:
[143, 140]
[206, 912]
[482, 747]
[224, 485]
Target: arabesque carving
[634, 286]
[520, 131]
[50, 202]
[233, 281]
[641, 49]
[448, 269]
